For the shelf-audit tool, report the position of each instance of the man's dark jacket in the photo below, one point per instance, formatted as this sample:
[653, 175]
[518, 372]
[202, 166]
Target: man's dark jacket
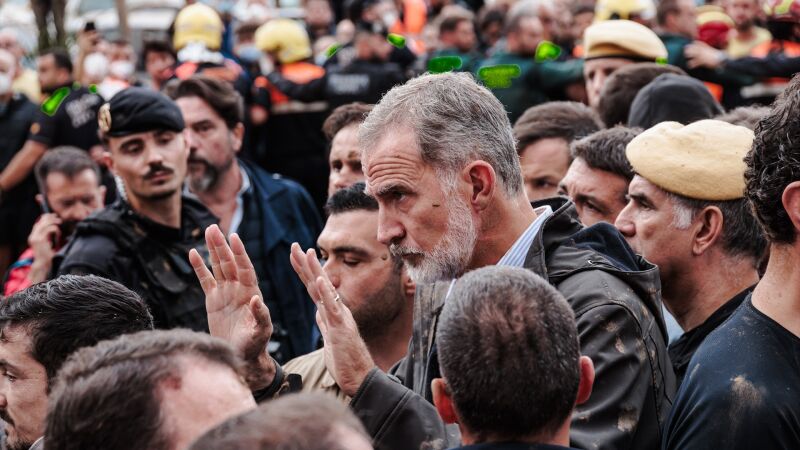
[149, 258]
[278, 212]
[616, 299]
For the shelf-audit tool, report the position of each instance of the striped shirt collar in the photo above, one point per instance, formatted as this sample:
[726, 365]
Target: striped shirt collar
[515, 256]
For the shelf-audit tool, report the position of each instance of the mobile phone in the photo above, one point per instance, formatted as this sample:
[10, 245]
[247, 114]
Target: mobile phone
[46, 210]
[90, 26]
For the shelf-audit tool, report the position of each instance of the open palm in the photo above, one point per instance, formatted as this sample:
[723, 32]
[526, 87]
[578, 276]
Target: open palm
[236, 311]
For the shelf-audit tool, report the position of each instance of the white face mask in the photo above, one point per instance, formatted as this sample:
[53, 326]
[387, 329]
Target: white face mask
[96, 66]
[389, 18]
[5, 83]
[121, 69]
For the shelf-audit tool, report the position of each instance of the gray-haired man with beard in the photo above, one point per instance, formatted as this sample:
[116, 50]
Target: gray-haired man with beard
[440, 159]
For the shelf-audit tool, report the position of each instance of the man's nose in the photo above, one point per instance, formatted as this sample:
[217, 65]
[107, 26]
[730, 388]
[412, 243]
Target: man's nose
[389, 230]
[624, 224]
[332, 274]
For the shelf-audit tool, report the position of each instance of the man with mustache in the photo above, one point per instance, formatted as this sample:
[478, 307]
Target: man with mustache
[142, 240]
[70, 190]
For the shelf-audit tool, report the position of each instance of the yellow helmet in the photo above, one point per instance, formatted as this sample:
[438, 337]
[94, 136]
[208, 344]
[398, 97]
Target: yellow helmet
[285, 37]
[624, 9]
[198, 23]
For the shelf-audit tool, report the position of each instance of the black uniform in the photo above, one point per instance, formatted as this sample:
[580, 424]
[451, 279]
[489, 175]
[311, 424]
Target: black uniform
[73, 123]
[119, 244]
[19, 210]
[358, 81]
[147, 257]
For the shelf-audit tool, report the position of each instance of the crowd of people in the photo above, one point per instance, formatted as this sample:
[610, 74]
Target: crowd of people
[406, 224]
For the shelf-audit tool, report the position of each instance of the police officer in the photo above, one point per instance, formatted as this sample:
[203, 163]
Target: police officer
[143, 239]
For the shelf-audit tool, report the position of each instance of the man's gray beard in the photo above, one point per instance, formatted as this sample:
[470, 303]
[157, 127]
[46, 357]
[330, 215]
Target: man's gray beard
[205, 182]
[451, 255]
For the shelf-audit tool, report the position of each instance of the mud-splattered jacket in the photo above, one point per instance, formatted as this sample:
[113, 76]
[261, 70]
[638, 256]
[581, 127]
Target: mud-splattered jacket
[616, 298]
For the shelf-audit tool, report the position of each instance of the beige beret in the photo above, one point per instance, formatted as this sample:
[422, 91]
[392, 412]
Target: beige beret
[703, 160]
[622, 39]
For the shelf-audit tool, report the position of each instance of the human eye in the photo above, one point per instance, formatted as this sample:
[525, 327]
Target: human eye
[351, 262]
[9, 376]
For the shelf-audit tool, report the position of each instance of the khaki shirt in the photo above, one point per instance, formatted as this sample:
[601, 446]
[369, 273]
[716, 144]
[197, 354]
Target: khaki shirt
[316, 378]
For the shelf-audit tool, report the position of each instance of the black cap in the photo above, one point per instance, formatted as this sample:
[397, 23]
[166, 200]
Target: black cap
[672, 97]
[137, 110]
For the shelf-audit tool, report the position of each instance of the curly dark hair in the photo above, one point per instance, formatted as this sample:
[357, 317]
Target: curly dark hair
[773, 163]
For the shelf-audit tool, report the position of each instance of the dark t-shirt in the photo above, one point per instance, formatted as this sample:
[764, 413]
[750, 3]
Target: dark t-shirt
[74, 122]
[682, 350]
[742, 389]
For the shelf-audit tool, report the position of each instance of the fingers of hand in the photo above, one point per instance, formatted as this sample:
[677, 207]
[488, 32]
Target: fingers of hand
[226, 260]
[297, 258]
[331, 300]
[313, 264]
[207, 281]
[212, 253]
[244, 267]
[261, 314]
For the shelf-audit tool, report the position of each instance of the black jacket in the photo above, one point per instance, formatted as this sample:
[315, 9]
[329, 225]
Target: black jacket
[358, 81]
[148, 258]
[616, 298]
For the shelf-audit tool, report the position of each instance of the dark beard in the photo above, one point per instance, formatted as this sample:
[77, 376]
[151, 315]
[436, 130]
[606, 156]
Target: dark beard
[207, 181]
[18, 445]
[210, 177]
[380, 309]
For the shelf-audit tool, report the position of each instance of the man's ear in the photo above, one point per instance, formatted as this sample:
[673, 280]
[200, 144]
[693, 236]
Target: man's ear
[587, 380]
[443, 401]
[102, 191]
[708, 229]
[237, 136]
[482, 178]
[40, 199]
[108, 161]
[791, 203]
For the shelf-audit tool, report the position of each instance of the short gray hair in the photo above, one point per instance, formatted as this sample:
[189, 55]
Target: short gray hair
[507, 340]
[742, 235]
[455, 121]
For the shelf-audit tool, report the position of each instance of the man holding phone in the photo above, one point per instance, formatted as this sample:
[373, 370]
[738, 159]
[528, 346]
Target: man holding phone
[69, 190]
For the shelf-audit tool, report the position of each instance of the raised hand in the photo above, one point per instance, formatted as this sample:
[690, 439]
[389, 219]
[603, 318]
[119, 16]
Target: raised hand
[236, 311]
[45, 232]
[346, 355]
